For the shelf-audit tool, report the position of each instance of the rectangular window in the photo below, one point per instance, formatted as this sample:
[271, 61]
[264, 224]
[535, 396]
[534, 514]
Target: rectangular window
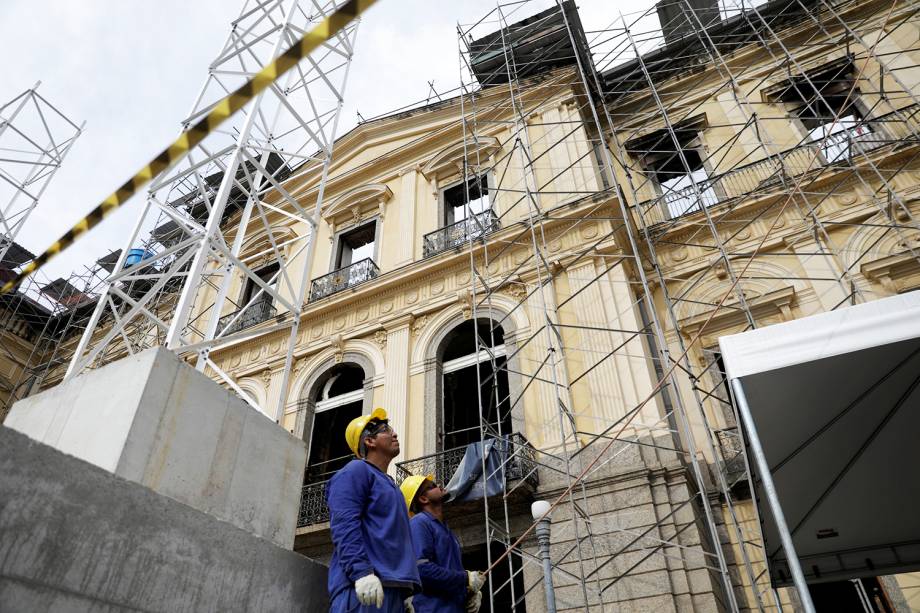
[824, 101]
[466, 199]
[674, 160]
[252, 288]
[356, 245]
[676, 171]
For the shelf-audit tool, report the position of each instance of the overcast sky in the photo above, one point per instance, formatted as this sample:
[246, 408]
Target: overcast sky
[131, 70]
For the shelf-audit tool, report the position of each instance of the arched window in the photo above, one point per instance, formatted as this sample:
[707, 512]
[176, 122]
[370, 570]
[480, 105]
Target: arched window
[334, 399]
[469, 378]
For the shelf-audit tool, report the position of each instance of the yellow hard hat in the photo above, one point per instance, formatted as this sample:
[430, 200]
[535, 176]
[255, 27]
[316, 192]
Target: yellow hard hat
[356, 427]
[409, 488]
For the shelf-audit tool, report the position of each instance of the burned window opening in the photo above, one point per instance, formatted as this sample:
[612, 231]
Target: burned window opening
[470, 379]
[466, 199]
[338, 398]
[356, 245]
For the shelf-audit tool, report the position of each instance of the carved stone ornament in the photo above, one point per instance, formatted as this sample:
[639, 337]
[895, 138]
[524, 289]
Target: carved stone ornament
[465, 297]
[418, 324]
[380, 337]
[266, 376]
[339, 346]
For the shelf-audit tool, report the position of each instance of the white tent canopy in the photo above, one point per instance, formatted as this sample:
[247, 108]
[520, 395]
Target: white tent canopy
[835, 403]
[845, 330]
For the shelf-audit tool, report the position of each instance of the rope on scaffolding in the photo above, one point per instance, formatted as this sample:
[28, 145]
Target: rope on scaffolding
[189, 139]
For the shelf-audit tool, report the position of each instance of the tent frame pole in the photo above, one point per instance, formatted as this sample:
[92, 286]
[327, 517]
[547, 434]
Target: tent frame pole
[785, 537]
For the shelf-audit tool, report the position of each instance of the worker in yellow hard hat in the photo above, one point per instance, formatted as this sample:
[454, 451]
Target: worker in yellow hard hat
[373, 565]
[446, 586]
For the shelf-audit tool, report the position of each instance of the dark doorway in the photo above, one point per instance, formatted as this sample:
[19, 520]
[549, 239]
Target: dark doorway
[469, 379]
[337, 400]
[474, 558]
[852, 596]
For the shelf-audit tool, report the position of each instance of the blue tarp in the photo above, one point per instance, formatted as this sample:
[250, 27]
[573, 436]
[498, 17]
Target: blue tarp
[468, 483]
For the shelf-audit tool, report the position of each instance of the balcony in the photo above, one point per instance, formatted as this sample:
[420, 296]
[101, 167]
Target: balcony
[520, 466]
[255, 313]
[313, 509]
[460, 233]
[772, 172]
[343, 278]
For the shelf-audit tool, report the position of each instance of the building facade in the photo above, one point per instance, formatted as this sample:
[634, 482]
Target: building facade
[549, 259]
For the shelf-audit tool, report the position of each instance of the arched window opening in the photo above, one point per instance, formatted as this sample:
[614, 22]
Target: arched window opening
[469, 378]
[337, 398]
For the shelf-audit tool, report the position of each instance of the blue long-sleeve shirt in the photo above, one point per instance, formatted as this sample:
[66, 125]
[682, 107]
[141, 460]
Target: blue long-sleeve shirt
[444, 580]
[370, 529]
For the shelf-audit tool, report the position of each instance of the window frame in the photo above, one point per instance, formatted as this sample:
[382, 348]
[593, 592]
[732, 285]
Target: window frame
[443, 209]
[335, 256]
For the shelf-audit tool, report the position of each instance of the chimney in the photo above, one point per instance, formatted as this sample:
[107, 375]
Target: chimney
[678, 20]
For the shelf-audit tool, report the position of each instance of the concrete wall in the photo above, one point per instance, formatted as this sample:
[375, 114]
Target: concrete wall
[76, 538]
[152, 419]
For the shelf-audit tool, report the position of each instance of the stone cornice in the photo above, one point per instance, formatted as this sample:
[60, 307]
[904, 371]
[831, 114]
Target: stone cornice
[731, 315]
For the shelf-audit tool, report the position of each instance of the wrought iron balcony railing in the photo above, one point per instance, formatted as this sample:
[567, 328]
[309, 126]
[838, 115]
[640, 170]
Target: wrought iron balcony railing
[457, 234]
[313, 509]
[521, 463]
[255, 313]
[343, 278]
[901, 126]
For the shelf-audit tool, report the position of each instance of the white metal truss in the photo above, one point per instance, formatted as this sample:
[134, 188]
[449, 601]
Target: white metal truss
[34, 139]
[177, 288]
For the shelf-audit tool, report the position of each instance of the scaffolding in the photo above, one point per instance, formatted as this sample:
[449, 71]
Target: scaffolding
[35, 137]
[49, 315]
[644, 178]
[678, 234]
[178, 291]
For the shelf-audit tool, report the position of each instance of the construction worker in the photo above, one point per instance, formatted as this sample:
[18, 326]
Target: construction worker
[373, 564]
[446, 586]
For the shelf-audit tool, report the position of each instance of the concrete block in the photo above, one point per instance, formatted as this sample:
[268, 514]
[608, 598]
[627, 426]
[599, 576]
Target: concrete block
[76, 538]
[152, 419]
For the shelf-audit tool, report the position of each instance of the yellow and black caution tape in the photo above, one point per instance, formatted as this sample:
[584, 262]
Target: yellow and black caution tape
[194, 135]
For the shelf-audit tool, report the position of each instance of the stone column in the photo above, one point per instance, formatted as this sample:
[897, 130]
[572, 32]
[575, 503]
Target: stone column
[543, 365]
[816, 267]
[408, 196]
[396, 381]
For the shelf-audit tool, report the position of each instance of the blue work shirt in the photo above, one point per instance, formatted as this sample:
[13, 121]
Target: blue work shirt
[444, 581]
[370, 530]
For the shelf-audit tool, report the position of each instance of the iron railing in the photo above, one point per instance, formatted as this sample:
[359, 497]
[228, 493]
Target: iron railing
[313, 509]
[900, 126]
[255, 313]
[459, 233]
[521, 463]
[343, 278]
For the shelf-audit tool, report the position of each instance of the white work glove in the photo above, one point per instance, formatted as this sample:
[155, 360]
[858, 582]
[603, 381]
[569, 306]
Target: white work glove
[475, 580]
[474, 602]
[369, 590]
[409, 607]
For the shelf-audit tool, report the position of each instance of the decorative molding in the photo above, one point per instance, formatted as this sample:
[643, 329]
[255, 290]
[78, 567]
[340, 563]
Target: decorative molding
[896, 273]
[356, 200]
[338, 346]
[452, 157]
[418, 324]
[731, 315]
[380, 337]
[266, 377]
[465, 298]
